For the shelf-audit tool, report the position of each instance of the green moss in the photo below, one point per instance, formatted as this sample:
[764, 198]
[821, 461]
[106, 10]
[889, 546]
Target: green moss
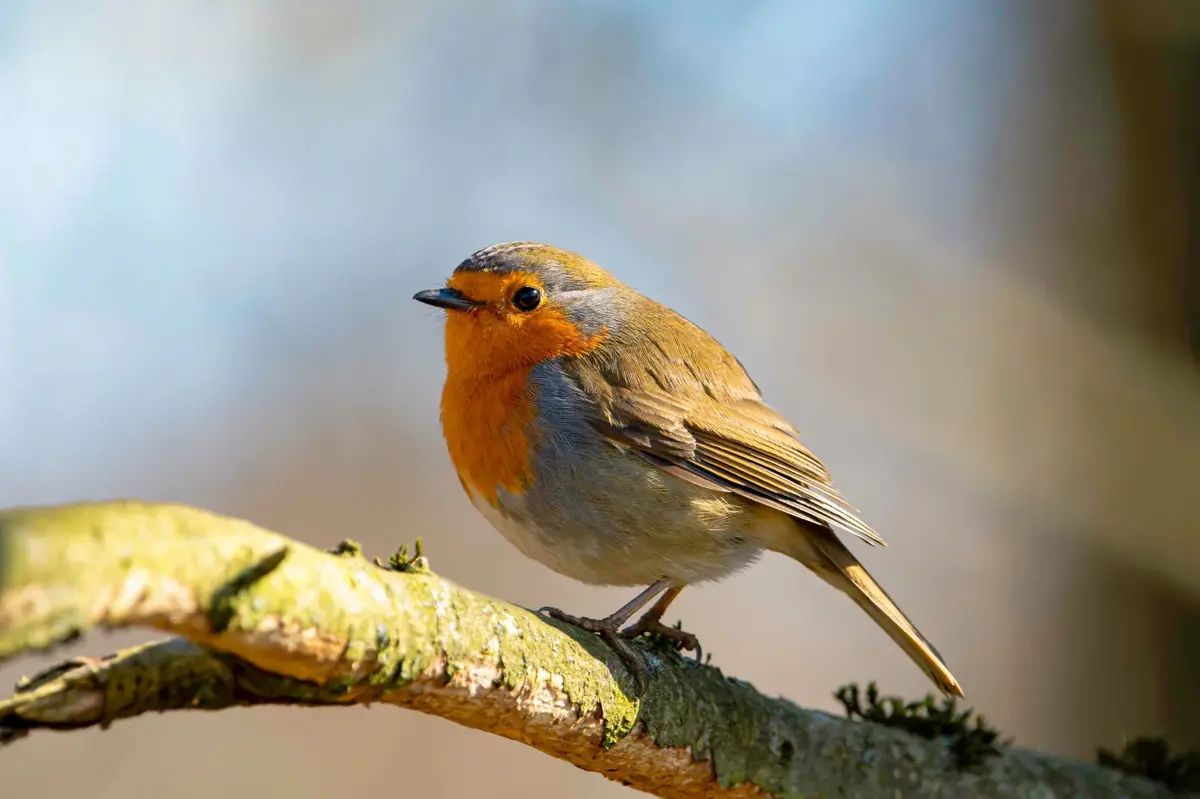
[1151, 757]
[971, 740]
[401, 622]
[528, 650]
[165, 676]
[720, 719]
[401, 561]
[152, 677]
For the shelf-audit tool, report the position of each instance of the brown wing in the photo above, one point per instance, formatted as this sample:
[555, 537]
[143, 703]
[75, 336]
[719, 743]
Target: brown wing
[699, 416]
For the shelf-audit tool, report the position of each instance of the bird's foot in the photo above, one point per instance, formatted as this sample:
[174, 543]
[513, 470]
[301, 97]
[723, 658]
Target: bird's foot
[678, 637]
[609, 631]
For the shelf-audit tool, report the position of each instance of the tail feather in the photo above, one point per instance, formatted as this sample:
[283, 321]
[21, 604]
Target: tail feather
[820, 550]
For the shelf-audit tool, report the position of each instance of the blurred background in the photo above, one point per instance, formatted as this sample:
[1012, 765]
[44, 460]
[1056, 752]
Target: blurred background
[955, 244]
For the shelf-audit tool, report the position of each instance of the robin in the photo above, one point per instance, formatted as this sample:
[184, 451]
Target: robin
[614, 441]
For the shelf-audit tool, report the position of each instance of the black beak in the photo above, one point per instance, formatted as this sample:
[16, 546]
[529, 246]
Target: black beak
[446, 298]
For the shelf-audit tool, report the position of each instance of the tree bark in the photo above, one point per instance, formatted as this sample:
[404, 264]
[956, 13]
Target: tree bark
[263, 619]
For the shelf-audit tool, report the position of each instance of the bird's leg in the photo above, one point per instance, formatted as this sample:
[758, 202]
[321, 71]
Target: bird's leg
[651, 622]
[609, 629]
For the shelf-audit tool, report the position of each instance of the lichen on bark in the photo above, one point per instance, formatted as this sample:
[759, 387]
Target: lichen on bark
[271, 620]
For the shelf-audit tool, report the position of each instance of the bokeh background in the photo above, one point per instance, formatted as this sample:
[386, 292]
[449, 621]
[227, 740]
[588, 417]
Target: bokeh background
[954, 242]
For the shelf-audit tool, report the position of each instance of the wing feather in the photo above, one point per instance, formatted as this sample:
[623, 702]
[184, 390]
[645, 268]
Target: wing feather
[707, 423]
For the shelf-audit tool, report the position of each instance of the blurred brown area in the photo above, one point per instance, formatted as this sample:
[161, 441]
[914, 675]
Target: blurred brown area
[957, 247]
[1155, 54]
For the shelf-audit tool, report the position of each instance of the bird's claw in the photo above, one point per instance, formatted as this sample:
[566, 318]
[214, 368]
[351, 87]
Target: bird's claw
[679, 638]
[610, 633]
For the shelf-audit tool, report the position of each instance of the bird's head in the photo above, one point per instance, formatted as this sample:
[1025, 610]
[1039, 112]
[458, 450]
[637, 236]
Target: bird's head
[512, 306]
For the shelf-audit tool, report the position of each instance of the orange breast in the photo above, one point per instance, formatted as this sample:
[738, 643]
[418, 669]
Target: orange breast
[487, 425]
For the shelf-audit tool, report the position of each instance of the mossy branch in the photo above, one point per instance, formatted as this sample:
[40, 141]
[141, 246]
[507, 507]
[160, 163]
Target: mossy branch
[268, 620]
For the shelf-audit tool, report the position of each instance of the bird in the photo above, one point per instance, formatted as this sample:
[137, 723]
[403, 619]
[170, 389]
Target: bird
[614, 441]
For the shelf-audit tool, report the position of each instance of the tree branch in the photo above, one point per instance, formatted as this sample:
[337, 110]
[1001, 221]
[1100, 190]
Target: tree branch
[269, 620]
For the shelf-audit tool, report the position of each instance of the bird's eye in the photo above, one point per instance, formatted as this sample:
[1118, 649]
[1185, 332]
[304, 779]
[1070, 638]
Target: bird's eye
[527, 298]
